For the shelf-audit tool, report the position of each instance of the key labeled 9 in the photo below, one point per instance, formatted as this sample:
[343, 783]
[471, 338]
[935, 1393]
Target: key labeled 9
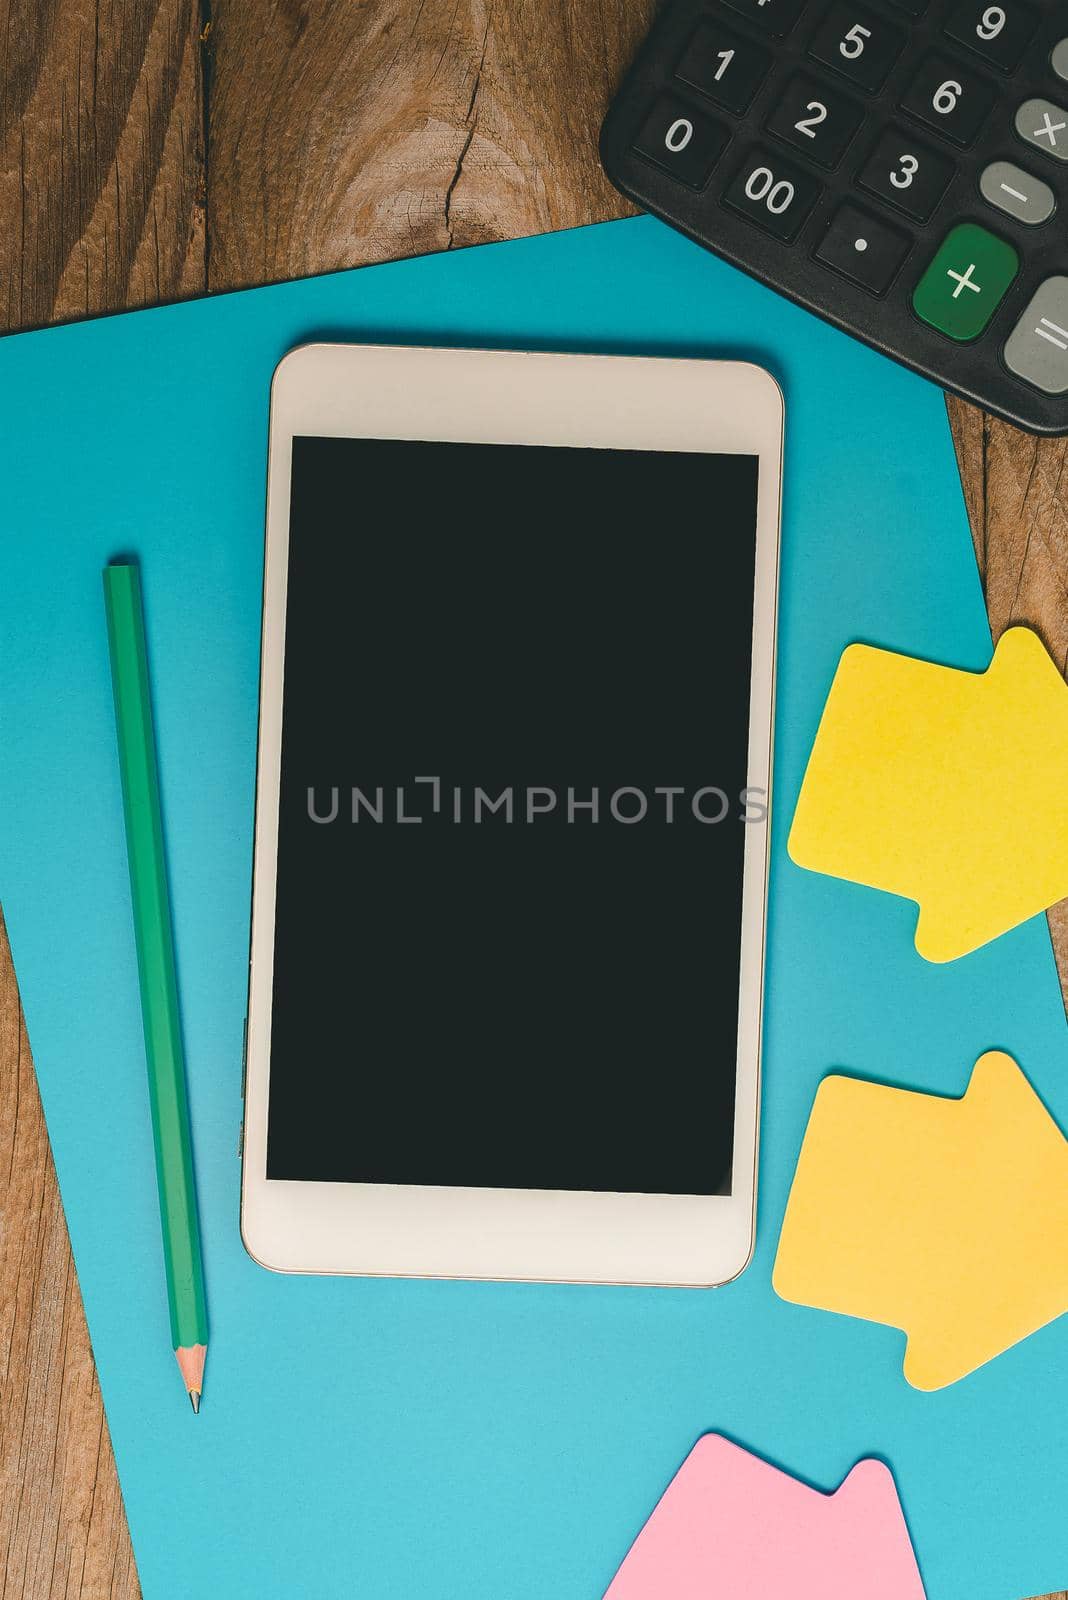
[1000, 33]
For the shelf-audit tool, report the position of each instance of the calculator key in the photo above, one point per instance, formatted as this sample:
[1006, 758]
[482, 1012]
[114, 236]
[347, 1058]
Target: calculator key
[907, 174]
[861, 46]
[1059, 59]
[999, 33]
[1011, 189]
[966, 282]
[1037, 350]
[868, 251]
[777, 16]
[915, 8]
[774, 196]
[1041, 123]
[724, 66]
[815, 121]
[683, 141]
[947, 97]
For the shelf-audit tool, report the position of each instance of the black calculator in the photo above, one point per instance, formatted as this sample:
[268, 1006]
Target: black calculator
[899, 167]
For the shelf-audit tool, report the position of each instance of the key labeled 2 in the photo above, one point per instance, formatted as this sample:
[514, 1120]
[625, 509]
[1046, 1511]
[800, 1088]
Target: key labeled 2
[815, 121]
[775, 196]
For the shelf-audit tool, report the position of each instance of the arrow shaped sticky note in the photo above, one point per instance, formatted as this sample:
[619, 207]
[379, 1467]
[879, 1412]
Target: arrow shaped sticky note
[947, 787]
[947, 1218]
[732, 1525]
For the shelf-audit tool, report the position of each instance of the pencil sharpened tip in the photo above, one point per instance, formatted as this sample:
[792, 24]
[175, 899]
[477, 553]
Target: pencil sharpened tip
[194, 1400]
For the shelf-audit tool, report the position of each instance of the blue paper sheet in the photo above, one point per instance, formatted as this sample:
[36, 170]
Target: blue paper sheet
[453, 1441]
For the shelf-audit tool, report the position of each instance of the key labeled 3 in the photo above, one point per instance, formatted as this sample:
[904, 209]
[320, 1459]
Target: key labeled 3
[903, 171]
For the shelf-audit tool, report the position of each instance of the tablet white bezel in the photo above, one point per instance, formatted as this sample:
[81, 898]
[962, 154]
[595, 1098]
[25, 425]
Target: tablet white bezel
[511, 397]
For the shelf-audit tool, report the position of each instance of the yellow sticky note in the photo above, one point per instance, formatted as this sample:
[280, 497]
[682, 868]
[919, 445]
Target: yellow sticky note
[947, 787]
[946, 1218]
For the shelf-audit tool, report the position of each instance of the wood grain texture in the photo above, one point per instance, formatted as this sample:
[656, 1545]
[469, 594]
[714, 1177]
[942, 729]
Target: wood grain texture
[360, 134]
[1016, 489]
[62, 1529]
[338, 133]
[101, 169]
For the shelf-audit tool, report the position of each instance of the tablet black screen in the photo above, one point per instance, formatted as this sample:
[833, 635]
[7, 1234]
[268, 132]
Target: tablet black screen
[515, 725]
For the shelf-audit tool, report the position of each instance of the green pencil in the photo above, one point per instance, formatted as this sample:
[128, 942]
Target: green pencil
[155, 963]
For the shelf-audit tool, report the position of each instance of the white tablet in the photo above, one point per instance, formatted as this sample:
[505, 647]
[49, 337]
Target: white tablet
[511, 842]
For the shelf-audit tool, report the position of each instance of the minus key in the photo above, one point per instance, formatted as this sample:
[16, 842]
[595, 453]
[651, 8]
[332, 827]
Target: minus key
[1008, 187]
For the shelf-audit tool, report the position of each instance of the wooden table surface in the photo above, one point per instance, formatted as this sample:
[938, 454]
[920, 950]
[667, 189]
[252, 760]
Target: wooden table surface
[155, 149]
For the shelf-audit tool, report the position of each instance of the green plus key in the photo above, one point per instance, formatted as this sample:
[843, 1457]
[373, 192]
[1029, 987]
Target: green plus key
[966, 282]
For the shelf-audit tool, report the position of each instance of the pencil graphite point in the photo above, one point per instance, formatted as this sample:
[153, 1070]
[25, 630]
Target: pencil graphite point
[194, 1398]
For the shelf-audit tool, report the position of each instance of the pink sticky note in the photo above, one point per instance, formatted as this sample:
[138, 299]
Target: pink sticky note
[732, 1526]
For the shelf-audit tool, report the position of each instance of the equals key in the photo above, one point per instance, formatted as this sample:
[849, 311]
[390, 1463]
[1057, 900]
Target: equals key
[1037, 350]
